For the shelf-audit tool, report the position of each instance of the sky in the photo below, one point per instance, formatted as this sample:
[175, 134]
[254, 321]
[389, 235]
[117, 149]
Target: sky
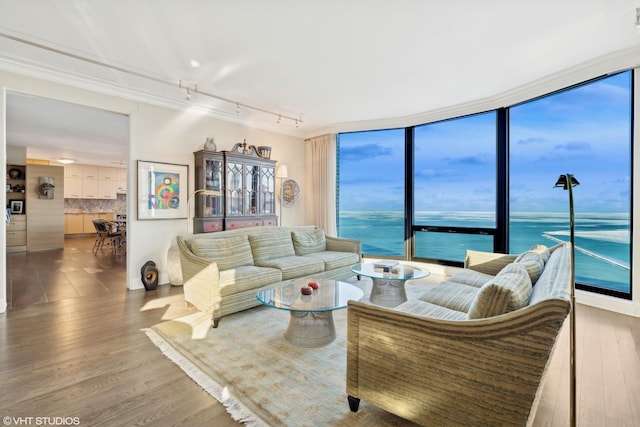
[585, 131]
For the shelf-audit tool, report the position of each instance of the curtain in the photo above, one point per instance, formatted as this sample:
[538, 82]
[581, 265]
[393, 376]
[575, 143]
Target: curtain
[323, 182]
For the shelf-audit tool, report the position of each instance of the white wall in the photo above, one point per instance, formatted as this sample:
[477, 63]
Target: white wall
[162, 135]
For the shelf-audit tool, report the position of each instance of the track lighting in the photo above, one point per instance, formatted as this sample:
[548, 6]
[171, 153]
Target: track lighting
[189, 87]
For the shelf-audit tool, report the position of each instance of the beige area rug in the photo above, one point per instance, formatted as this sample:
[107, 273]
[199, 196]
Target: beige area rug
[247, 365]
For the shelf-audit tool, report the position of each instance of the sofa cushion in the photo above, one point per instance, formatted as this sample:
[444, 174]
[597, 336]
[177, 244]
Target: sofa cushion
[227, 253]
[487, 262]
[267, 246]
[533, 262]
[294, 266]
[509, 290]
[471, 277]
[423, 308]
[245, 278]
[333, 260]
[452, 295]
[310, 242]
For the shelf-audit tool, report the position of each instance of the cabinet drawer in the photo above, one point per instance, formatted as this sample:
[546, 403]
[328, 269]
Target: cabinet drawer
[269, 221]
[16, 238]
[211, 226]
[17, 224]
[231, 225]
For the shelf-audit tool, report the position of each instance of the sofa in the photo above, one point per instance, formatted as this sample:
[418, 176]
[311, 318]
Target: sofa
[222, 271]
[471, 350]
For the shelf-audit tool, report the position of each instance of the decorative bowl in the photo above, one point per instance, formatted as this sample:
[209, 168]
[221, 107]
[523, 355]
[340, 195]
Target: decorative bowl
[15, 173]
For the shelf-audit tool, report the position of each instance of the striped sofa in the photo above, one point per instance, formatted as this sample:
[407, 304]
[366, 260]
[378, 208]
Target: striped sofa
[472, 350]
[223, 271]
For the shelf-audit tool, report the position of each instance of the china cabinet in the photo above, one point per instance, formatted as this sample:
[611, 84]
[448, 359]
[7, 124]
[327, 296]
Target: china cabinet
[239, 190]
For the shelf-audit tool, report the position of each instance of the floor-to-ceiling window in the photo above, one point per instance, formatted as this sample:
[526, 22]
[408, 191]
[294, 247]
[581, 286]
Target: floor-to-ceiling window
[486, 181]
[454, 186]
[371, 190]
[584, 131]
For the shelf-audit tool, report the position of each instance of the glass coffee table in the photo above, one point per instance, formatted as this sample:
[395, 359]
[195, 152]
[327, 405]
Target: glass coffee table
[388, 287]
[310, 316]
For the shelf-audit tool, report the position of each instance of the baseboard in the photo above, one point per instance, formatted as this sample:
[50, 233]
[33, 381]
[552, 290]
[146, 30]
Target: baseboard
[605, 302]
[3, 305]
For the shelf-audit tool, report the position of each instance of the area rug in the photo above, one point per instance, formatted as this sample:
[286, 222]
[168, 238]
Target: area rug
[248, 366]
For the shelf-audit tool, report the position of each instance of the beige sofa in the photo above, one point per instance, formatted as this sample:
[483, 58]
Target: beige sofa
[222, 271]
[472, 350]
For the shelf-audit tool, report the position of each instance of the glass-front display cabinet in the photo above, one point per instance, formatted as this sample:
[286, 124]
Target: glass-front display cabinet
[240, 190]
[209, 204]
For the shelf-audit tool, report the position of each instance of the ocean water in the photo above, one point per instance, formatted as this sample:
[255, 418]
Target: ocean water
[602, 239]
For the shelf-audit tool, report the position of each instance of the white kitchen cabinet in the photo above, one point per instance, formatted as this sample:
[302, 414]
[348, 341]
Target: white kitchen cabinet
[73, 188]
[73, 171]
[89, 172]
[107, 190]
[90, 189]
[107, 174]
[122, 181]
[94, 182]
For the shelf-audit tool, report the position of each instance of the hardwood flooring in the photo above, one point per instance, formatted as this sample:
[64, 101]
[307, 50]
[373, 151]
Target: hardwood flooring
[71, 346]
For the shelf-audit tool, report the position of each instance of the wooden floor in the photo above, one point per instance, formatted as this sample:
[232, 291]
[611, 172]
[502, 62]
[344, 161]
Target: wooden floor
[71, 346]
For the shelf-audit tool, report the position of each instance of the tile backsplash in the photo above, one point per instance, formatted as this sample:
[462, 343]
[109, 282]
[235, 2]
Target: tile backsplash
[118, 206]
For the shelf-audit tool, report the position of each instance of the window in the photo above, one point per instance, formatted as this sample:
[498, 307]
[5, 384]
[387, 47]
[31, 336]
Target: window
[455, 186]
[585, 131]
[458, 193]
[371, 190]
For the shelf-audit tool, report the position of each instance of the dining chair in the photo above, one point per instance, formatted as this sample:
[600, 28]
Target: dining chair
[107, 236]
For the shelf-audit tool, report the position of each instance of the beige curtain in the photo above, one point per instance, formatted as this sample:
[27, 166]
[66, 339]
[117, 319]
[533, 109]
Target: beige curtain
[323, 182]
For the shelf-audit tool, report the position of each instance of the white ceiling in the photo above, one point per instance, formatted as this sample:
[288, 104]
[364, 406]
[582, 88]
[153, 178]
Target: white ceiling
[337, 65]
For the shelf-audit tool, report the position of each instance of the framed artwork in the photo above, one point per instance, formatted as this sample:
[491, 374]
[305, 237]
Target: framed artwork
[290, 193]
[162, 190]
[16, 206]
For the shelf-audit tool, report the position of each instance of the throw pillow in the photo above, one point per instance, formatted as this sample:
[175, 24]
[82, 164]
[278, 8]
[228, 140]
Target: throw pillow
[266, 246]
[306, 243]
[228, 253]
[542, 250]
[533, 262]
[510, 290]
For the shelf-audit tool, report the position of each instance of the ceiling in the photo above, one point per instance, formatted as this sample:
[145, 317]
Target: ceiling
[323, 66]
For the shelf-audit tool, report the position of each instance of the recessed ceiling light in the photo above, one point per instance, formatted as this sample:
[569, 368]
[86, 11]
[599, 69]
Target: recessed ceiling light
[194, 63]
[65, 161]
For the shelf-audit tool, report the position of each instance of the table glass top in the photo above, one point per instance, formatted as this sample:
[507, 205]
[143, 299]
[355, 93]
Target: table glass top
[398, 272]
[330, 295]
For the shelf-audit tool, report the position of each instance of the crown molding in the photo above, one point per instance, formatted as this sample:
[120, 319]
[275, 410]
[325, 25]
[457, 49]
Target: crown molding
[604, 65]
[601, 66]
[110, 88]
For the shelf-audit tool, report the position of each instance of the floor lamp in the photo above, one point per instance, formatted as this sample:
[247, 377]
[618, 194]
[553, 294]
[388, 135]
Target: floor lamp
[567, 182]
[281, 173]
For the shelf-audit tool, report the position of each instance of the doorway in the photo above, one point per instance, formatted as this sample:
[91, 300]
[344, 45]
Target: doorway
[46, 131]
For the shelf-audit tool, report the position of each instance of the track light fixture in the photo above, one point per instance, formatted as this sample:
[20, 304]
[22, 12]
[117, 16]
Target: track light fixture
[189, 88]
[185, 85]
